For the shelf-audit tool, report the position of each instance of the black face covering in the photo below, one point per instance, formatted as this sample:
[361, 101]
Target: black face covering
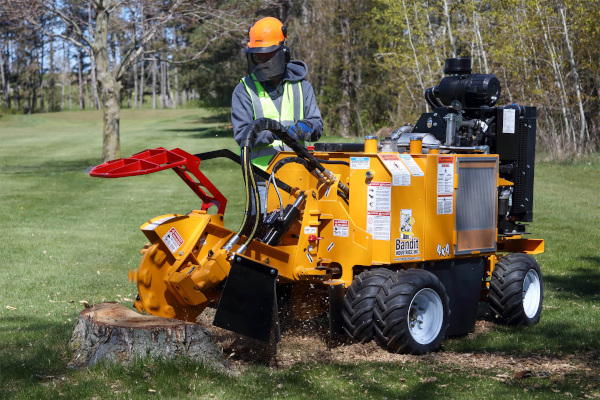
[267, 70]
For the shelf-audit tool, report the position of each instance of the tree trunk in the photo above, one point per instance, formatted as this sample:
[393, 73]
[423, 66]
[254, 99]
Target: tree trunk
[412, 46]
[80, 75]
[163, 84]
[41, 75]
[451, 37]
[114, 333]
[558, 80]
[142, 82]
[70, 81]
[154, 67]
[95, 99]
[346, 75]
[135, 85]
[64, 79]
[4, 81]
[583, 129]
[110, 88]
[177, 96]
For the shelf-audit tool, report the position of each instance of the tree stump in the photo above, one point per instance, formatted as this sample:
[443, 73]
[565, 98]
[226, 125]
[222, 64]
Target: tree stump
[112, 332]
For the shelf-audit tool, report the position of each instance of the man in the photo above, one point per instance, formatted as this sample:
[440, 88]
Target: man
[275, 88]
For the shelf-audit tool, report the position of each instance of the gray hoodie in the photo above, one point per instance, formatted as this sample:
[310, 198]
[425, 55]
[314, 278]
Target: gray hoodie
[242, 112]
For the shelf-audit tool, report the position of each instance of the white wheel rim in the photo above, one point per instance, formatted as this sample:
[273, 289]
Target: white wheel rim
[532, 290]
[425, 316]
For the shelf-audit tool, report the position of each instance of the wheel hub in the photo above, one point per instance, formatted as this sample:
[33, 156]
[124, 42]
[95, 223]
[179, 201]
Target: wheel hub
[426, 315]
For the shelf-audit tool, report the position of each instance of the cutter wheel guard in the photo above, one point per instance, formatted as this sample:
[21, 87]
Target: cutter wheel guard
[395, 240]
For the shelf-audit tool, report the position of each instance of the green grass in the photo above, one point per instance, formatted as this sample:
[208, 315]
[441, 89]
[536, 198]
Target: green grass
[67, 237]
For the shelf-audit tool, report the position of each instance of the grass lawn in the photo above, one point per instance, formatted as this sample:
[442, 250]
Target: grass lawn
[67, 238]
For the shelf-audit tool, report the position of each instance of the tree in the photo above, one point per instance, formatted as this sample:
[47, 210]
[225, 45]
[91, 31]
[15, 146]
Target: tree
[92, 33]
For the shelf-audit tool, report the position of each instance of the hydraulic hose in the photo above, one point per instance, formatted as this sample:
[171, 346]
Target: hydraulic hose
[247, 221]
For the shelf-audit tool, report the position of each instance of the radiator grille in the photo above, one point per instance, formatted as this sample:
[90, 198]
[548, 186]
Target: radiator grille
[476, 204]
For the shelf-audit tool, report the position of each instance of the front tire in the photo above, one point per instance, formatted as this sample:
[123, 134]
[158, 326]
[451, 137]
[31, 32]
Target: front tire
[411, 314]
[360, 299]
[517, 290]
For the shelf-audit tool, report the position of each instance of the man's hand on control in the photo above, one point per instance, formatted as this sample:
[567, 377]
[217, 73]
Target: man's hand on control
[301, 130]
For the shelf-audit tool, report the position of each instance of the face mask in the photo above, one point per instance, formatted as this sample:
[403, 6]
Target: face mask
[269, 69]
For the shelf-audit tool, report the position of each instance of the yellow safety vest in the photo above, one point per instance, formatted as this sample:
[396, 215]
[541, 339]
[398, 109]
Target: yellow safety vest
[292, 111]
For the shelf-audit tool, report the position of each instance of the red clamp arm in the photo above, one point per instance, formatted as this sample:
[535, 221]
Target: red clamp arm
[154, 160]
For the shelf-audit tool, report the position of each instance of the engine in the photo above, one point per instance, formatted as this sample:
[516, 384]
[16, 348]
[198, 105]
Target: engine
[465, 119]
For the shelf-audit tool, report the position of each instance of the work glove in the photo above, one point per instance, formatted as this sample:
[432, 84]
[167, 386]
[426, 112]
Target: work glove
[301, 130]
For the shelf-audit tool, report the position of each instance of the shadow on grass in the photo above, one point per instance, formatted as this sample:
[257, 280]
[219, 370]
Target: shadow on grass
[222, 116]
[50, 167]
[203, 132]
[35, 352]
[583, 281]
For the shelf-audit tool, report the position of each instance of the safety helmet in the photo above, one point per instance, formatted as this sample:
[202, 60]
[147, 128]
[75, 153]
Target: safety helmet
[267, 37]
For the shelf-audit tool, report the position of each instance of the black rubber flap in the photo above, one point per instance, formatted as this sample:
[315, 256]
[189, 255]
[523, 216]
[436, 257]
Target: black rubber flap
[248, 304]
[462, 280]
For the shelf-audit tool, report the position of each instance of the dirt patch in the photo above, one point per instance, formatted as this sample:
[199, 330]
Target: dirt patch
[309, 342]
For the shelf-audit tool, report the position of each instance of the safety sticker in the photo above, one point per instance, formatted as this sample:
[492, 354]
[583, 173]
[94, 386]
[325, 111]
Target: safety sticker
[400, 174]
[407, 247]
[310, 230]
[445, 175]
[411, 164]
[406, 223]
[341, 227]
[173, 240]
[379, 196]
[444, 204]
[508, 118]
[360, 162]
[378, 224]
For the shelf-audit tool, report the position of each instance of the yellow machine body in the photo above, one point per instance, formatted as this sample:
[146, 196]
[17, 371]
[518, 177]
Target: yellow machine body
[403, 211]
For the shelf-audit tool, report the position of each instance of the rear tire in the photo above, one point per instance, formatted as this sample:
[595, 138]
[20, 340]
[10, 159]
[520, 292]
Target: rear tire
[517, 290]
[360, 299]
[411, 314]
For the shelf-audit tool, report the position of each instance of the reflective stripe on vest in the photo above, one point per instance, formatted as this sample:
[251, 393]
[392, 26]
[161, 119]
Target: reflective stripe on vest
[292, 110]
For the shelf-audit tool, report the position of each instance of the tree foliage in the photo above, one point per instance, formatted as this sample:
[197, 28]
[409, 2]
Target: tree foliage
[370, 61]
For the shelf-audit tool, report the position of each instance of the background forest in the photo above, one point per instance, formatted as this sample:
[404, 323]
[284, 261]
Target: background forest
[370, 61]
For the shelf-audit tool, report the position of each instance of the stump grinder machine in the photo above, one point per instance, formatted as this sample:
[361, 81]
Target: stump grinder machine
[397, 239]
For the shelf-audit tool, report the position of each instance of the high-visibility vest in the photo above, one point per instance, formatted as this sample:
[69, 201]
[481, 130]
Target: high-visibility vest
[292, 111]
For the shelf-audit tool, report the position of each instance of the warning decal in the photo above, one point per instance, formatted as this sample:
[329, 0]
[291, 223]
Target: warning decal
[444, 204]
[379, 196]
[445, 175]
[400, 174]
[378, 224]
[360, 163]
[445, 185]
[173, 240]
[341, 227]
[411, 164]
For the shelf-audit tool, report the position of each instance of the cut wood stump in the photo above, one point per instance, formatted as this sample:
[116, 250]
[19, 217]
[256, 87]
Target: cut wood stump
[112, 332]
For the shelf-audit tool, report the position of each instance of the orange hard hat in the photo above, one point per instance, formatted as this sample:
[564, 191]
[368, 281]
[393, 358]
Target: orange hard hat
[267, 35]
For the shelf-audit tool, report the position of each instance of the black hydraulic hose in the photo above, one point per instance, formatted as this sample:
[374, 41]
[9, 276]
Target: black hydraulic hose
[431, 99]
[346, 163]
[247, 221]
[225, 153]
[257, 207]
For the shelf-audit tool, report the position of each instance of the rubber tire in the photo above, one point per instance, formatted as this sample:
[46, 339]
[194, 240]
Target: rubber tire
[360, 298]
[506, 289]
[391, 312]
